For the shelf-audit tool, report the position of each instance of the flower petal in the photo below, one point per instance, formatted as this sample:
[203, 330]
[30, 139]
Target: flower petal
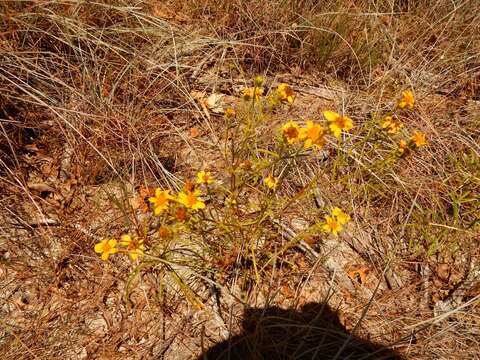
[337, 132]
[348, 123]
[125, 239]
[331, 115]
[198, 205]
[99, 247]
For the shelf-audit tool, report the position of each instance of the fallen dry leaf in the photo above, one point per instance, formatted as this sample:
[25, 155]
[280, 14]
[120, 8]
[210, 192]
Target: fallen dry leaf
[359, 275]
[198, 95]
[443, 271]
[215, 103]
[194, 132]
[31, 148]
[287, 292]
[140, 201]
[41, 187]
[163, 12]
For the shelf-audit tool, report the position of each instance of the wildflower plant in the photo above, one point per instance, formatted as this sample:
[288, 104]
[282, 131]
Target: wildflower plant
[236, 209]
[388, 131]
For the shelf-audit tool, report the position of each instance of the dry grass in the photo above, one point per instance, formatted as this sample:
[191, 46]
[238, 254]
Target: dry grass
[96, 101]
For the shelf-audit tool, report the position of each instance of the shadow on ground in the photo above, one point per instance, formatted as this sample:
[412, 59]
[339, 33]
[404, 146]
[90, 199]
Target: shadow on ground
[313, 332]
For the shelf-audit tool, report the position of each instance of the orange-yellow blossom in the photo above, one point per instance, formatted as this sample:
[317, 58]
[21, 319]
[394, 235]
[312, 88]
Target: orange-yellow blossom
[133, 244]
[407, 100]
[191, 200]
[290, 132]
[160, 200]
[285, 93]
[313, 134]
[337, 122]
[106, 247]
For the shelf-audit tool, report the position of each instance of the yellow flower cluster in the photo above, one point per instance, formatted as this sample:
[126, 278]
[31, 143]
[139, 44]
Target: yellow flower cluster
[313, 134]
[335, 221]
[187, 199]
[392, 126]
[417, 140]
[133, 245]
[402, 147]
[282, 94]
[106, 247]
[190, 199]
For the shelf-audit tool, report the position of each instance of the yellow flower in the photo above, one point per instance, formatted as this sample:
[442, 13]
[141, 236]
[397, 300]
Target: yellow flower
[418, 139]
[271, 182]
[390, 125]
[230, 113]
[285, 93]
[134, 245]
[332, 225]
[290, 132]
[160, 200]
[407, 100]
[252, 92]
[191, 200]
[313, 134]
[341, 217]
[204, 177]
[338, 122]
[402, 147]
[106, 248]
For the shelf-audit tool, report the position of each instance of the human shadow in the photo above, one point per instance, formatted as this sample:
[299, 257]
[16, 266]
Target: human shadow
[313, 332]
